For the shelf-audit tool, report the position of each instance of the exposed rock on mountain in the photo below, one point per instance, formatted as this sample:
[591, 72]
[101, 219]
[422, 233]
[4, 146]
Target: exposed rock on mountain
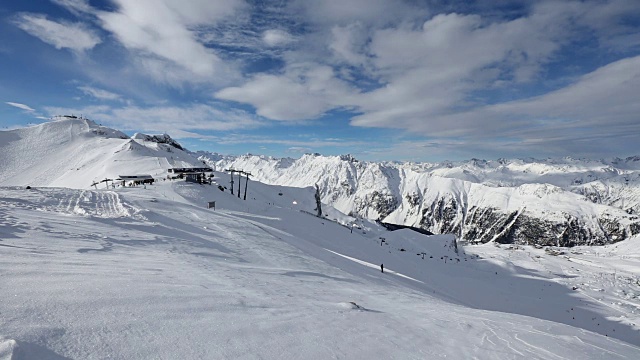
[160, 139]
[564, 202]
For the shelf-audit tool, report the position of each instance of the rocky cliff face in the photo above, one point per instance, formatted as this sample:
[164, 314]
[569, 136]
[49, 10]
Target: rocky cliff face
[564, 202]
[160, 139]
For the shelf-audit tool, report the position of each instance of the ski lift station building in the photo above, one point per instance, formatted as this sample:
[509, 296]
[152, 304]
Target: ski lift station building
[197, 175]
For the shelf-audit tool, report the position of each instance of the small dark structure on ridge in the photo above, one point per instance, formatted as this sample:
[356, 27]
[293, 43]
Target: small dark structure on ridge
[135, 179]
[196, 175]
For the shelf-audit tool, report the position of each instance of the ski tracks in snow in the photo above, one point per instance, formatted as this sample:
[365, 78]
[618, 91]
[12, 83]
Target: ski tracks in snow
[367, 264]
[101, 204]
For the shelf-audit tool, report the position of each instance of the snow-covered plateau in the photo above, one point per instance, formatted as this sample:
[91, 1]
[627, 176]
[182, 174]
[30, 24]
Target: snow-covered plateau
[150, 272]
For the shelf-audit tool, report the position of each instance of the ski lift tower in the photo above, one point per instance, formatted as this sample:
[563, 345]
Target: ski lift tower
[247, 174]
[232, 171]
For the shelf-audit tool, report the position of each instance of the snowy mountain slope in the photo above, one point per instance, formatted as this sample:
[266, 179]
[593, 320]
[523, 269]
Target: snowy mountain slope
[72, 152]
[438, 197]
[149, 272]
[622, 191]
[515, 201]
[167, 278]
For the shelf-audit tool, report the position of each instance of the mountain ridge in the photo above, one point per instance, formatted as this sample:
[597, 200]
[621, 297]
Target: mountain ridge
[76, 152]
[562, 202]
[552, 202]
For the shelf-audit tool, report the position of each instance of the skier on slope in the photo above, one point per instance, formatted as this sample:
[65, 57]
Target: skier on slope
[381, 267]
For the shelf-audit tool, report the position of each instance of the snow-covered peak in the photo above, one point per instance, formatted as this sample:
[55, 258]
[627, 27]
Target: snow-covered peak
[69, 125]
[76, 152]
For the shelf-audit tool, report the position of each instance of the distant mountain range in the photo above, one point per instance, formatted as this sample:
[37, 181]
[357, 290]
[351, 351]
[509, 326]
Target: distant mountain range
[562, 202]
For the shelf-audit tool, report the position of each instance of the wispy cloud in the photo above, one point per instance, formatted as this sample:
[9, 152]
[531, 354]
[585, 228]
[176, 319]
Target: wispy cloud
[21, 106]
[233, 139]
[77, 7]
[100, 94]
[600, 102]
[177, 121]
[62, 35]
[298, 150]
[27, 110]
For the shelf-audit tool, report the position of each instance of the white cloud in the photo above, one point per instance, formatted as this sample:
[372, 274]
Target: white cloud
[393, 64]
[195, 117]
[594, 116]
[343, 12]
[233, 139]
[429, 71]
[299, 150]
[347, 43]
[421, 78]
[62, 35]
[99, 93]
[276, 37]
[613, 22]
[21, 106]
[167, 32]
[605, 98]
[168, 119]
[166, 72]
[201, 12]
[166, 40]
[424, 71]
[27, 109]
[304, 91]
[77, 7]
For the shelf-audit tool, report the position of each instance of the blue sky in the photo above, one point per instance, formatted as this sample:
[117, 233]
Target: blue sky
[383, 80]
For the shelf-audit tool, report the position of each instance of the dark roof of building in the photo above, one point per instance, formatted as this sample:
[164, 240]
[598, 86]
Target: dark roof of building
[135, 177]
[190, 170]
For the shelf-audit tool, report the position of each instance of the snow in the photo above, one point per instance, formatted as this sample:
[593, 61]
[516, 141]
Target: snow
[169, 278]
[77, 152]
[150, 272]
[548, 191]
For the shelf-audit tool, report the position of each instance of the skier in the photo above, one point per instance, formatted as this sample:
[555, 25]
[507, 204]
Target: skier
[381, 267]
